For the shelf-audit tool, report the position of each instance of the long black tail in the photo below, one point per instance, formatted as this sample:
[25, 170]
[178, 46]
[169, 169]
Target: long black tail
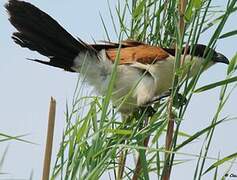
[39, 32]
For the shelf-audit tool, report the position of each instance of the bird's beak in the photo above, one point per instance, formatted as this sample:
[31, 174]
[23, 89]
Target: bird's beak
[220, 58]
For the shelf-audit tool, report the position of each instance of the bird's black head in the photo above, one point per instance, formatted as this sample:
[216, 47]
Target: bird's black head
[216, 57]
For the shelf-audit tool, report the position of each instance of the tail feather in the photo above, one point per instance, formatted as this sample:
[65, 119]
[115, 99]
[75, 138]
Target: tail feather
[39, 32]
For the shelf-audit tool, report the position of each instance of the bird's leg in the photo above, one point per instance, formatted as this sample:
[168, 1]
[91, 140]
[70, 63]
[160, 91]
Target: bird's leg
[179, 99]
[156, 99]
[160, 97]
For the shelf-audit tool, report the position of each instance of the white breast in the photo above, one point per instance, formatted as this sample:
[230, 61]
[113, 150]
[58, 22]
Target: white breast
[135, 85]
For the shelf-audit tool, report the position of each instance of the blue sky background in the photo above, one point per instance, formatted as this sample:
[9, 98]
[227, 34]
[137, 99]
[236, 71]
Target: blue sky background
[26, 88]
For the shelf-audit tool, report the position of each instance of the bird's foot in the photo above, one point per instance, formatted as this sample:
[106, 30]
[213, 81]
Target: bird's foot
[179, 100]
[149, 110]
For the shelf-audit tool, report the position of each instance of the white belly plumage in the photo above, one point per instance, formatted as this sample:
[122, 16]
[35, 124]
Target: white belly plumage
[135, 84]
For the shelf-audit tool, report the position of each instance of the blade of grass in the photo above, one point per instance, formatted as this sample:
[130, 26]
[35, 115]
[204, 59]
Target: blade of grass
[228, 34]
[220, 162]
[216, 84]
[198, 134]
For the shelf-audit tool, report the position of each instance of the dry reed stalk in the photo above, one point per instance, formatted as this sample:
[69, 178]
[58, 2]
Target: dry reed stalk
[170, 128]
[49, 140]
[145, 144]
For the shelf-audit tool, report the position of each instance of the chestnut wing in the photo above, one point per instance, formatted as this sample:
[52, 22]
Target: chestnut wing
[144, 54]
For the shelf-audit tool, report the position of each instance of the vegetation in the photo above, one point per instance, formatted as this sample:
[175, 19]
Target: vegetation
[96, 143]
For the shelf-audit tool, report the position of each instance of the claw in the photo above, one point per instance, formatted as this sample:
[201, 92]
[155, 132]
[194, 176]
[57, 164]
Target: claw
[150, 111]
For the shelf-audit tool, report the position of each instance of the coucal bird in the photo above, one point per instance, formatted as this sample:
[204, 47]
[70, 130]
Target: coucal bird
[145, 70]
